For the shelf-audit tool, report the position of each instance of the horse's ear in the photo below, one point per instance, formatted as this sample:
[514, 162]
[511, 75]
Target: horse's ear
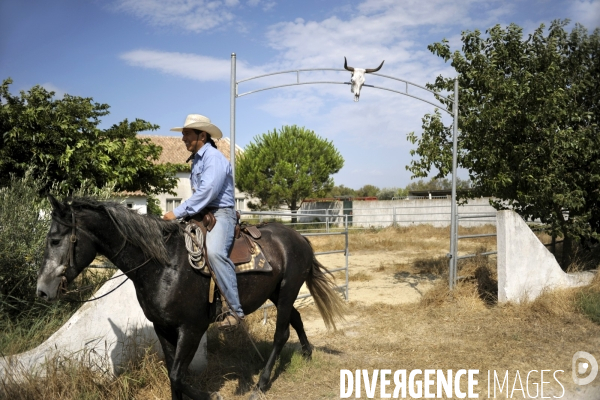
[57, 206]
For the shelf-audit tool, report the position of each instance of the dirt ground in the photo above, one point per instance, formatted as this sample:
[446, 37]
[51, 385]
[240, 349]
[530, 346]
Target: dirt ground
[374, 278]
[381, 278]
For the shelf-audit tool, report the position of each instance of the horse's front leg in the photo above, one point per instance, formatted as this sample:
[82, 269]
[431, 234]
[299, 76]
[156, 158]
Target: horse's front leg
[187, 344]
[168, 343]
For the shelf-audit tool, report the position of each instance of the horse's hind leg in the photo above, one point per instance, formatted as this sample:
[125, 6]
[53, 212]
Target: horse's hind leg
[298, 326]
[282, 334]
[296, 322]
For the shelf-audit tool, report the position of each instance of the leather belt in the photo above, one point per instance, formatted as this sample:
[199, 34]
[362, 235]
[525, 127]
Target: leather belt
[213, 209]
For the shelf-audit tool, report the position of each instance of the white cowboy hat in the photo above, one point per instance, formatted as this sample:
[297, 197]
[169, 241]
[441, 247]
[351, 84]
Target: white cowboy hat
[202, 123]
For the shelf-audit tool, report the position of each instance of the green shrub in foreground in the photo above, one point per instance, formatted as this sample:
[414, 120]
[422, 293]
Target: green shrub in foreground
[24, 222]
[589, 304]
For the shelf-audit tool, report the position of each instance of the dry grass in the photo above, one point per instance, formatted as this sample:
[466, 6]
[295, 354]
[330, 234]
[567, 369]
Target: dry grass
[464, 328]
[419, 238]
[360, 277]
[447, 330]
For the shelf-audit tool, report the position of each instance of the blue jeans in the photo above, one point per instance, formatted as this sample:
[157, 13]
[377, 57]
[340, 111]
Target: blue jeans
[219, 242]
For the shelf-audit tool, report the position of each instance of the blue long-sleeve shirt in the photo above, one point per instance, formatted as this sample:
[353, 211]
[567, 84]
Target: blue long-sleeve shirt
[212, 183]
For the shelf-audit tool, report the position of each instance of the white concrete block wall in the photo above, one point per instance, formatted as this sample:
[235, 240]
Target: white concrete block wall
[382, 213]
[525, 266]
[321, 208]
[101, 333]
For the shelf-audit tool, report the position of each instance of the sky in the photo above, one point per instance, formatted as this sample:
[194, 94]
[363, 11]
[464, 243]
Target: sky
[161, 60]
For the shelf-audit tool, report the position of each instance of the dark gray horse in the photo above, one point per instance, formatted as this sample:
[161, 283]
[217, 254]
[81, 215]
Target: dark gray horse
[173, 296]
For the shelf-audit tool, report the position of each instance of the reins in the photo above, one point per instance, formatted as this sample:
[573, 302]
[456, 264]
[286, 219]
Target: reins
[194, 239]
[71, 258]
[79, 290]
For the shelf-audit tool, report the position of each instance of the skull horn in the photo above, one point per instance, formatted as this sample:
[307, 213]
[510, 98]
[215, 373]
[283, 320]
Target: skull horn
[346, 66]
[369, 70]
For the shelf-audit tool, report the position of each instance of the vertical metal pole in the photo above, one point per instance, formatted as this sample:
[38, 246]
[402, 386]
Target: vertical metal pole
[232, 116]
[347, 254]
[453, 210]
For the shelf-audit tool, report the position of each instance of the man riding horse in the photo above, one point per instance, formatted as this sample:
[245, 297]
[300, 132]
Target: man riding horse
[213, 191]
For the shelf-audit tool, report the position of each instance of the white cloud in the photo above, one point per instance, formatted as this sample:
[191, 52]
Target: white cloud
[586, 13]
[190, 15]
[186, 65]
[266, 4]
[376, 30]
[58, 92]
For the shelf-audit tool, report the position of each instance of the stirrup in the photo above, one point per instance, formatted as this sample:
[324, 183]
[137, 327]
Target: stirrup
[230, 322]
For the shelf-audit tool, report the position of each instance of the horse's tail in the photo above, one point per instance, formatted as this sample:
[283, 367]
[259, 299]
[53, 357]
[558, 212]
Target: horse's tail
[322, 288]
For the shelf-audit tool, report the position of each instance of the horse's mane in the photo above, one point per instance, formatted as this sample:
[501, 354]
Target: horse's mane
[147, 232]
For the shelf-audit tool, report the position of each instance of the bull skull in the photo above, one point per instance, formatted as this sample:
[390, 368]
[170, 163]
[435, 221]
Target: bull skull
[358, 77]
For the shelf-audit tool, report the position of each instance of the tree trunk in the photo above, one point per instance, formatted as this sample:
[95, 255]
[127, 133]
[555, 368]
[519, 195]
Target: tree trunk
[567, 252]
[294, 209]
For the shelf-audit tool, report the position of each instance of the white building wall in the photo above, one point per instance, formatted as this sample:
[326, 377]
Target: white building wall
[138, 203]
[184, 191]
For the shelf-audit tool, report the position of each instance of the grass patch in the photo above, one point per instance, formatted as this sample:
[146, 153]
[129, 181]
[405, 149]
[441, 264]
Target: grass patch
[588, 302]
[25, 330]
[457, 329]
[464, 328]
[360, 277]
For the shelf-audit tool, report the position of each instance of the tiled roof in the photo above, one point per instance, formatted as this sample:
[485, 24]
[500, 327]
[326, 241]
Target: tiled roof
[174, 150]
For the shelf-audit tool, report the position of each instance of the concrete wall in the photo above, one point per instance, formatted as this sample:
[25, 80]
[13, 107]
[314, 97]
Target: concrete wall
[382, 213]
[320, 208]
[102, 333]
[525, 266]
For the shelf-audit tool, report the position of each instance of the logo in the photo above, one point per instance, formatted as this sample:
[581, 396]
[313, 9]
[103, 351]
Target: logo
[589, 366]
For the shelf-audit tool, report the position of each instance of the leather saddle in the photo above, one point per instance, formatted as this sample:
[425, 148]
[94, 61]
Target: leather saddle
[246, 253]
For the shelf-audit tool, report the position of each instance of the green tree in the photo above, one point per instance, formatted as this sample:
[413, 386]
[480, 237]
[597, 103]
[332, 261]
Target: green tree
[390, 193]
[286, 166]
[438, 184]
[59, 142]
[367, 191]
[340, 191]
[528, 126]
[153, 206]
[24, 223]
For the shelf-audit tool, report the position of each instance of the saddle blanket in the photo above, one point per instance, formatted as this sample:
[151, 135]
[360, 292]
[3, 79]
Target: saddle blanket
[257, 263]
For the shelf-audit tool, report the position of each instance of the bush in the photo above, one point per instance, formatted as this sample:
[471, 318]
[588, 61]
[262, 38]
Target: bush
[24, 223]
[589, 304]
[154, 206]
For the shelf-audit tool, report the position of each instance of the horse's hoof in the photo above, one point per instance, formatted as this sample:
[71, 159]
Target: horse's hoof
[255, 395]
[307, 353]
[215, 396]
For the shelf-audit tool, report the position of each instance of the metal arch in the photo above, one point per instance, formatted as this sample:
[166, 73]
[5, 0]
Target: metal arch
[298, 71]
[454, 112]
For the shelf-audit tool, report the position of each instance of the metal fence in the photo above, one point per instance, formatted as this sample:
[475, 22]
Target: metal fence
[455, 237]
[332, 216]
[308, 230]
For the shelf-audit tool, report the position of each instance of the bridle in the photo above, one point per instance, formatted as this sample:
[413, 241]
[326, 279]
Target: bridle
[71, 260]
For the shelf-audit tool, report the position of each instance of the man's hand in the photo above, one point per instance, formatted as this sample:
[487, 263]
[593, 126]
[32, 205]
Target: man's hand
[169, 216]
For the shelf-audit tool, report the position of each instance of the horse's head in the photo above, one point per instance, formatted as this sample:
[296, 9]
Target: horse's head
[69, 249]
